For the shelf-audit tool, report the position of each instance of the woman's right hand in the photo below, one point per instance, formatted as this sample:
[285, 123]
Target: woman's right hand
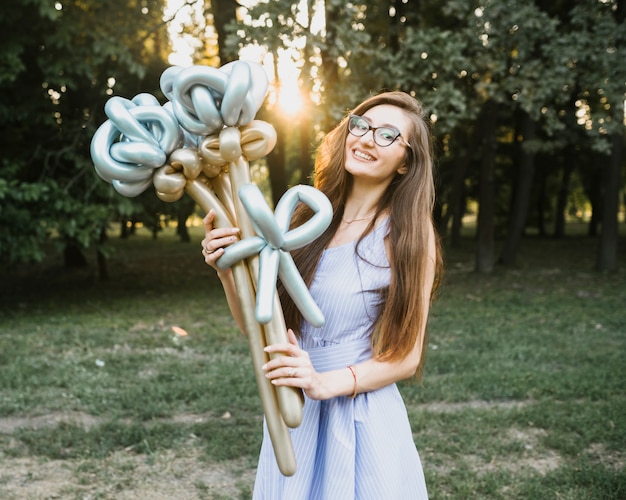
[215, 240]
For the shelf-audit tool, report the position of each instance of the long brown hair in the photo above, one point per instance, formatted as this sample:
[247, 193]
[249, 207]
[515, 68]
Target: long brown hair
[409, 201]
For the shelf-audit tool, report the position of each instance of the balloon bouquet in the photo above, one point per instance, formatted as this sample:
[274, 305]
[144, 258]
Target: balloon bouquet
[201, 142]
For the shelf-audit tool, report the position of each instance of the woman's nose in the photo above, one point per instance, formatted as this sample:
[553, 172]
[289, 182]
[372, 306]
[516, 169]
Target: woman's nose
[368, 137]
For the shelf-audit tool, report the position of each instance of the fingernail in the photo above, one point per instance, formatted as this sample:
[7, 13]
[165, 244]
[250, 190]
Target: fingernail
[264, 367]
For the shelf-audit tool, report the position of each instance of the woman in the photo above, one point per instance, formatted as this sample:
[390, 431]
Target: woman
[372, 273]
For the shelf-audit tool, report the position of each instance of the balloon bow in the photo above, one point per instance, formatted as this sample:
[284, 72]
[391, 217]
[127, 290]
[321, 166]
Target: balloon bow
[274, 243]
[200, 142]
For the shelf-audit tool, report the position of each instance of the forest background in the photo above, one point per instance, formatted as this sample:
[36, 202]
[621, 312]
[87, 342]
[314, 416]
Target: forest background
[140, 385]
[526, 101]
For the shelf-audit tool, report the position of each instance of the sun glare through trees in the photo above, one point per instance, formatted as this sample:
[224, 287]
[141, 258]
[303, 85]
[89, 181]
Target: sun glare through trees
[284, 87]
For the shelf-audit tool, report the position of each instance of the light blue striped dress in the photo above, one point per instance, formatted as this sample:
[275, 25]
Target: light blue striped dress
[347, 449]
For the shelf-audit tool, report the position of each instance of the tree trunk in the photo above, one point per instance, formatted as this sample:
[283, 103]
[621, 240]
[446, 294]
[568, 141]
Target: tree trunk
[543, 199]
[456, 194]
[181, 228]
[593, 188]
[521, 195]
[570, 161]
[485, 231]
[277, 164]
[124, 229]
[607, 257]
[103, 269]
[561, 201]
[73, 256]
[224, 11]
[306, 127]
[306, 163]
[306, 91]
[277, 158]
[328, 53]
[457, 220]
[184, 209]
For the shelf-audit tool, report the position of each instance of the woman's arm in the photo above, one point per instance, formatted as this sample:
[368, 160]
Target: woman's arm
[295, 368]
[213, 244]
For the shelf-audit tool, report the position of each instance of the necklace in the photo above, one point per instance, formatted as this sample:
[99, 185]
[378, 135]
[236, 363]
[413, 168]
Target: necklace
[350, 221]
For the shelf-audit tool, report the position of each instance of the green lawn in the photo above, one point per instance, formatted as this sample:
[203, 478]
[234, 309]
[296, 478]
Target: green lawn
[523, 396]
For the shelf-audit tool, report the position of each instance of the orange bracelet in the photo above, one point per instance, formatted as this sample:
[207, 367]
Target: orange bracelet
[353, 371]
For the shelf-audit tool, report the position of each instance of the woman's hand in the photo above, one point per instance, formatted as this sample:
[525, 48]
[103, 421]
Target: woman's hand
[294, 369]
[213, 244]
[215, 240]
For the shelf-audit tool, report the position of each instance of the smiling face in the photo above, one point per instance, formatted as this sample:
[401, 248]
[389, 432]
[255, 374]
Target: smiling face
[365, 159]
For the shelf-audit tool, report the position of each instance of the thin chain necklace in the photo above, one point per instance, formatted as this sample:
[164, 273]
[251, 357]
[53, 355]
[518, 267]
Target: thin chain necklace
[357, 220]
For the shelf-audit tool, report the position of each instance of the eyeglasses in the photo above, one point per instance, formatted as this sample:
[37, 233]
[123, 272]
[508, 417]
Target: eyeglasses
[383, 136]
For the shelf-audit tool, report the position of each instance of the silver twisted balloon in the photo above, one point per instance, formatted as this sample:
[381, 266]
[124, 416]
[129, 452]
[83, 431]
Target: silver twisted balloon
[206, 99]
[139, 135]
[273, 244]
[135, 140]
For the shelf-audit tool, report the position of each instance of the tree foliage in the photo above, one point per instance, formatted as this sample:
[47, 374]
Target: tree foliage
[525, 97]
[542, 79]
[56, 73]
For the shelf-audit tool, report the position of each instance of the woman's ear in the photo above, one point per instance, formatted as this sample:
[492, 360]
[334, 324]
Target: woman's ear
[402, 170]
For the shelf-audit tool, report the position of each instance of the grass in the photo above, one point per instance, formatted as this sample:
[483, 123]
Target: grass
[524, 392]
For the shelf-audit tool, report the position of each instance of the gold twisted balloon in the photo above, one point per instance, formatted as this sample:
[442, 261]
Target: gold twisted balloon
[212, 176]
[237, 146]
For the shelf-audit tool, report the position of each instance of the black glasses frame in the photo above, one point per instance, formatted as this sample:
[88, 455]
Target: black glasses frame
[354, 119]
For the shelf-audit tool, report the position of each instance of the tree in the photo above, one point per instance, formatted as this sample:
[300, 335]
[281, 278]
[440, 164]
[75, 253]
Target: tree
[538, 74]
[593, 37]
[602, 80]
[57, 72]
[224, 14]
[504, 82]
[320, 54]
[435, 64]
[526, 57]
